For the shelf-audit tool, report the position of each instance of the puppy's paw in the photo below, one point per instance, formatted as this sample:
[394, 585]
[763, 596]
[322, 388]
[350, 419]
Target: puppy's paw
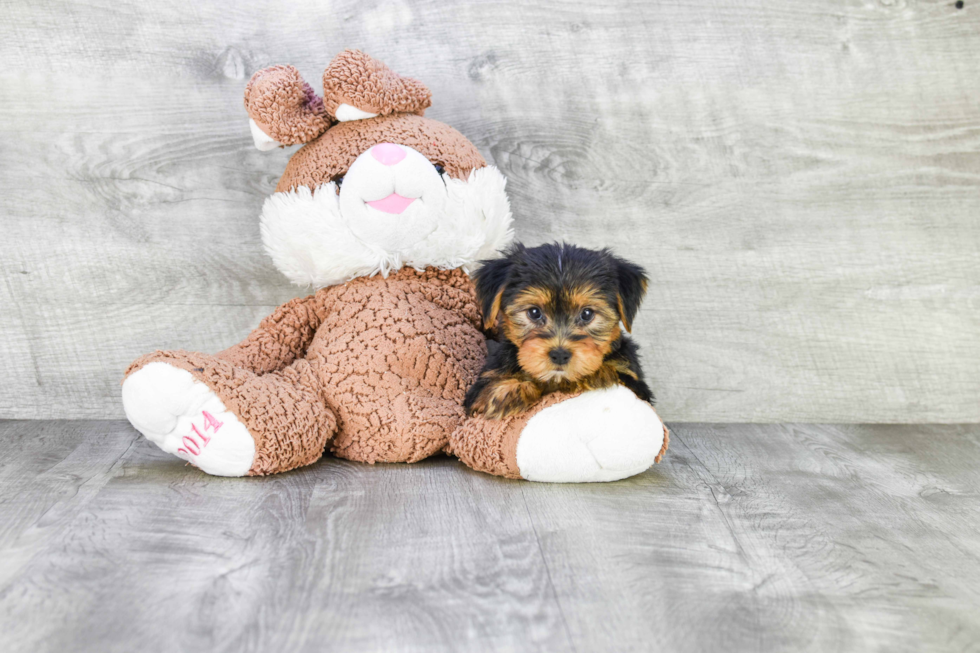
[504, 397]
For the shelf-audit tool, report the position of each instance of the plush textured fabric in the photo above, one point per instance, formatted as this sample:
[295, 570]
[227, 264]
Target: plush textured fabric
[376, 369]
[330, 156]
[356, 79]
[312, 240]
[663, 449]
[283, 410]
[491, 445]
[284, 106]
[287, 109]
[597, 436]
[183, 417]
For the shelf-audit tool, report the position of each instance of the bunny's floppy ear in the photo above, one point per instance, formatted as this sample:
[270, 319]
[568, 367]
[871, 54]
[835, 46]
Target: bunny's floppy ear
[632, 286]
[356, 87]
[490, 281]
[284, 108]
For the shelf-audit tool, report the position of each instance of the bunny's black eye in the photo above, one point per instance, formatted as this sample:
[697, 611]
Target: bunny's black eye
[534, 313]
[586, 315]
[440, 169]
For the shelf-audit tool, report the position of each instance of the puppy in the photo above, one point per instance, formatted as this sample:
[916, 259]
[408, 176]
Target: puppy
[555, 311]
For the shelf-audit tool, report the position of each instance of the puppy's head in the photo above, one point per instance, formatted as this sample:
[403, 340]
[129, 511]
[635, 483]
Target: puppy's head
[560, 305]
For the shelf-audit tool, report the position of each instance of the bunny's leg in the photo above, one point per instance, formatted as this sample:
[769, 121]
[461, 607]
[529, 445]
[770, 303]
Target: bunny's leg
[227, 420]
[405, 426]
[600, 435]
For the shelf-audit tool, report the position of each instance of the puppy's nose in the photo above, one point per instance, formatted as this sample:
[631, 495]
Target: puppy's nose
[559, 355]
[388, 154]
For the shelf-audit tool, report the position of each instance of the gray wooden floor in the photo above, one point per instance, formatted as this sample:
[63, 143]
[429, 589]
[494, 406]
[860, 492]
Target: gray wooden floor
[747, 537]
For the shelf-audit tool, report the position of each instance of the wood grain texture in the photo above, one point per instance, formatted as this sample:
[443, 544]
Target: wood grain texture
[801, 179]
[746, 538]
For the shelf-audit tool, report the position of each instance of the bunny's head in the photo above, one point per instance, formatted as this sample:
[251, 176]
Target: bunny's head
[376, 186]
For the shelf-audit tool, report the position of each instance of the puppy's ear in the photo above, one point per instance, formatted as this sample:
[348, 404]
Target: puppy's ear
[632, 281]
[491, 279]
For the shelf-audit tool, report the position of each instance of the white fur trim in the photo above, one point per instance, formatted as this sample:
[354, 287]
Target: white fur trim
[310, 238]
[262, 141]
[601, 435]
[185, 418]
[346, 112]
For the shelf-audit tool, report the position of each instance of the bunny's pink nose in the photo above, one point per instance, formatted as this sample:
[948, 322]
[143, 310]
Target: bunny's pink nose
[388, 154]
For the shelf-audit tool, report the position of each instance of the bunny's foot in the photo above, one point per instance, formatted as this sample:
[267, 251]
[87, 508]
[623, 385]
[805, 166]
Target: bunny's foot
[600, 435]
[182, 416]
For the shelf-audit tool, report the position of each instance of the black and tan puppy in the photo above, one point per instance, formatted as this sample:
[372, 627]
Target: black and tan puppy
[555, 312]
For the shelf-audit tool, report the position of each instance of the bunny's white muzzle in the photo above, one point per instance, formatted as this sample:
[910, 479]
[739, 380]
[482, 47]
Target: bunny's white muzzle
[392, 197]
[394, 209]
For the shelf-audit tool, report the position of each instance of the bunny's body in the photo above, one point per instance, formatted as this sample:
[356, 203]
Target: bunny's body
[384, 210]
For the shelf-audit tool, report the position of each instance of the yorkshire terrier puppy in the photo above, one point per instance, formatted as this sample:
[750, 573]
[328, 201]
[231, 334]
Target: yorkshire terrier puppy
[555, 312]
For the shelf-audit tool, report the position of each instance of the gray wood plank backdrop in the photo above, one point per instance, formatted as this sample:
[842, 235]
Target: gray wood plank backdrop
[800, 178]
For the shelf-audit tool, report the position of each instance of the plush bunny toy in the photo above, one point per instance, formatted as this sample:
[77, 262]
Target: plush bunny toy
[383, 210]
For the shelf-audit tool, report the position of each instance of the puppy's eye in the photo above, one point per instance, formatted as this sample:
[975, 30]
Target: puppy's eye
[440, 169]
[534, 313]
[586, 315]
[339, 181]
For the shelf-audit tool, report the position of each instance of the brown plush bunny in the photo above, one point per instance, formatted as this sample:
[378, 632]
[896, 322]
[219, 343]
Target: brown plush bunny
[383, 210]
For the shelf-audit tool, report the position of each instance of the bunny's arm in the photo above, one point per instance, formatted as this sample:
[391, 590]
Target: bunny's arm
[281, 337]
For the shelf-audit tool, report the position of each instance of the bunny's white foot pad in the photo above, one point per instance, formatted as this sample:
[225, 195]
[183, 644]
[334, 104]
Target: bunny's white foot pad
[185, 418]
[600, 435]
